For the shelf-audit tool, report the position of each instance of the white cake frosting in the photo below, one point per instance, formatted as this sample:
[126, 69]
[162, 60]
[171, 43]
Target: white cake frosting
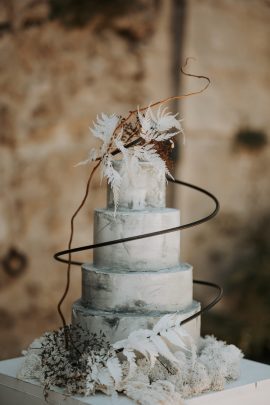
[153, 253]
[163, 290]
[118, 325]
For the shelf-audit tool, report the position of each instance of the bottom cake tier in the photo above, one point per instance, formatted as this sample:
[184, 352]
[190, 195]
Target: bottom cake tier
[118, 325]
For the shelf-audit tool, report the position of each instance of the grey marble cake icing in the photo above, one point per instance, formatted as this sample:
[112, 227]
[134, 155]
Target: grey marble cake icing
[142, 254]
[132, 285]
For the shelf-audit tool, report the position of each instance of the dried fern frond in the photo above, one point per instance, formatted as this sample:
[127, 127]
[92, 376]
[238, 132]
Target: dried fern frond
[104, 127]
[113, 177]
[144, 132]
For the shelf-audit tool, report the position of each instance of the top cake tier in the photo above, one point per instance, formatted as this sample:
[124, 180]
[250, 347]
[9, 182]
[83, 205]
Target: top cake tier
[141, 190]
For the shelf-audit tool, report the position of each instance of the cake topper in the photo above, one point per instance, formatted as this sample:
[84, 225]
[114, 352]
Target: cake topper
[143, 135]
[138, 139]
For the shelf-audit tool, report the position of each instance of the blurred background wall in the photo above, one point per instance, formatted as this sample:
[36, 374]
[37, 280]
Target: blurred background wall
[64, 61]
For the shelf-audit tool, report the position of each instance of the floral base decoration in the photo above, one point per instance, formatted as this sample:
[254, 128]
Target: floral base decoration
[152, 367]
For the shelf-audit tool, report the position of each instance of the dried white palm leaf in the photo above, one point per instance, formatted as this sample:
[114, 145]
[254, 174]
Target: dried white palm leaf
[92, 156]
[168, 321]
[120, 145]
[158, 127]
[131, 358]
[173, 338]
[148, 153]
[165, 121]
[104, 377]
[113, 177]
[105, 127]
[147, 124]
[170, 328]
[163, 348]
[115, 369]
[139, 341]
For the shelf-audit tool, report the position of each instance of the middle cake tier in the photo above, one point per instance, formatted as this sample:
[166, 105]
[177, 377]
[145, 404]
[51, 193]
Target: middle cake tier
[164, 290]
[155, 253]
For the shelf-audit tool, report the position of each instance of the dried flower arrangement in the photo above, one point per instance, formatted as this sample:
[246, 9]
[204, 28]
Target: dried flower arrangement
[147, 370]
[137, 140]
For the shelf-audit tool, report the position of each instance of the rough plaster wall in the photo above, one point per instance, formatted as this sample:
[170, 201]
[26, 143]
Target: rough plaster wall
[231, 43]
[54, 79]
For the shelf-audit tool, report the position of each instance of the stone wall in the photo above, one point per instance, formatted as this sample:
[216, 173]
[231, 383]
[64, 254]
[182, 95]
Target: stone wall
[60, 65]
[227, 152]
[56, 74]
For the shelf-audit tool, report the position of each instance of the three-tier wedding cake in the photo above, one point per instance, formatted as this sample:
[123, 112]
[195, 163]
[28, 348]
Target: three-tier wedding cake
[131, 285]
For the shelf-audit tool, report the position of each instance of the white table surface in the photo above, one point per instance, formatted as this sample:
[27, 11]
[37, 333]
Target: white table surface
[252, 388]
